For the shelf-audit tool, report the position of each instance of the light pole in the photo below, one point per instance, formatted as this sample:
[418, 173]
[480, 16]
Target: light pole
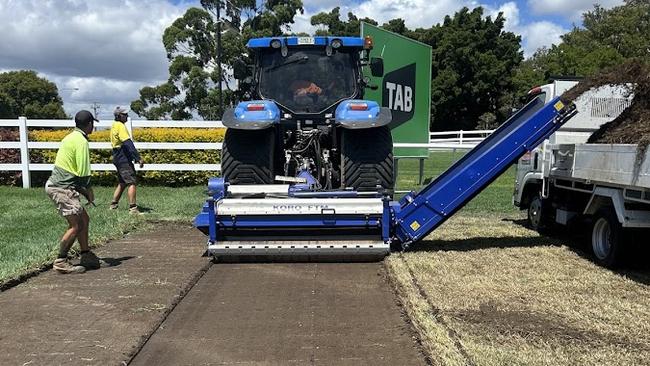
[95, 107]
[219, 55]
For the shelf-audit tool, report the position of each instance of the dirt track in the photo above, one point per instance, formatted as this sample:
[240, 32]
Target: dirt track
[100, 317]
[248, 313]
[281, 314]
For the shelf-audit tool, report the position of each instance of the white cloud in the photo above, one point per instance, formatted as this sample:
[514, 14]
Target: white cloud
[510, 11]
[422, 13]
[106, 49]
[541, 34]
[109, 49]
[534, 35]
[568, 9]
[416, 13]
[83, 92]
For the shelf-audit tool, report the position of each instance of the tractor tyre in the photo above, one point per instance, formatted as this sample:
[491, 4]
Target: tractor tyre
[367, 159]
[247, 156]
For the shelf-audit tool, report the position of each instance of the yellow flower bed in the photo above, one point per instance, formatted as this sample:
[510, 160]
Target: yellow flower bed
[167, 178]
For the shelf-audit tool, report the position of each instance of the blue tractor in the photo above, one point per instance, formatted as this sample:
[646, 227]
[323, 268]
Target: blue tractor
[307, 121]
[310, 130]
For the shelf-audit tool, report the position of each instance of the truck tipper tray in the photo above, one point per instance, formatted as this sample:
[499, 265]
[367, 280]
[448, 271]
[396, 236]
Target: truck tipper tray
[612, 164]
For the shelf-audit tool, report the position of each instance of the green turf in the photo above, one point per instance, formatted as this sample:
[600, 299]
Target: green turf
[497, 197]
[30, 227]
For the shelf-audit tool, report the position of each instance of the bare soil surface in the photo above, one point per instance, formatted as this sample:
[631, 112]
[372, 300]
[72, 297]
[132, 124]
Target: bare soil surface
[101, 317]
[286, 314]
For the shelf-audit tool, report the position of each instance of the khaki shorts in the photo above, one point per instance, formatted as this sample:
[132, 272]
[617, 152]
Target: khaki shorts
[126, 174]
[66, 200]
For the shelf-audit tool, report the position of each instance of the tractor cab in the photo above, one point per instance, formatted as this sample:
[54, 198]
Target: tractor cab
[309, 76]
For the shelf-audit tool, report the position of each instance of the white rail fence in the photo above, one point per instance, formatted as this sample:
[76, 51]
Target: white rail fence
[25, 166]
[448, 140]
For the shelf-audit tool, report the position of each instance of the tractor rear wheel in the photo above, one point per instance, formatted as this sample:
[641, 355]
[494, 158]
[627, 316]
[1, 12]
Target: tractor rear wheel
[247, 156]
[367, 159]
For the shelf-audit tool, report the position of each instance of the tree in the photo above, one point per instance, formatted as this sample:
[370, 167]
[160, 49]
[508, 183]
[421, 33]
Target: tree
[472, 69]
[191, 45]
[608, 38]
[398, 26]
[24, 93]
[333, 25]
[473, 63]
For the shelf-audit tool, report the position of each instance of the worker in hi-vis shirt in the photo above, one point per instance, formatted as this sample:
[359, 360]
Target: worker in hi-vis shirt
[124, 155]
[70, 179]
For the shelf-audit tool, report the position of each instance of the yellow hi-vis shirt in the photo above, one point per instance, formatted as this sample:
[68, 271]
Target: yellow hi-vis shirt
[124, 152]
[72, 164]
[119, 134]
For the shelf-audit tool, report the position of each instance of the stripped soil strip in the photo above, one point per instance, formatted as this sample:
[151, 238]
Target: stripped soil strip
[101, 317]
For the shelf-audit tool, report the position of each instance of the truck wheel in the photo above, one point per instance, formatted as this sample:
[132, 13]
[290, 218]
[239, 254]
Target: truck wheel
[247, 156]
[607, 239]
[537, 217]
[367, 159]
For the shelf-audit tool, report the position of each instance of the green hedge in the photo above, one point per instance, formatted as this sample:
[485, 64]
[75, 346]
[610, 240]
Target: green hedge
[164, 178]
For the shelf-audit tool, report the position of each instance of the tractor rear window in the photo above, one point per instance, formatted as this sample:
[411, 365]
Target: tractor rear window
[307, 80]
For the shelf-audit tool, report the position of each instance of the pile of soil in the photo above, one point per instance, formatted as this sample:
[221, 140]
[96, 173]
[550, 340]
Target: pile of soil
[633, 125]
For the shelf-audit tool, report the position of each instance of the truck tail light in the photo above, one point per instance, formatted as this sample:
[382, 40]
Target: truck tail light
[255, 107]
[358, 106]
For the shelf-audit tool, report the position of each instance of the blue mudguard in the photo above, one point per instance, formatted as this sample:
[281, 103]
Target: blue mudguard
[252, 115]
[358, 114]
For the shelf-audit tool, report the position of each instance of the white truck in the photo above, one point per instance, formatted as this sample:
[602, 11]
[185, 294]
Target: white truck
[566, 180]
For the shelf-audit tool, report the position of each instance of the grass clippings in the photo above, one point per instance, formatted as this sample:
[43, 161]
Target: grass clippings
[485, 290]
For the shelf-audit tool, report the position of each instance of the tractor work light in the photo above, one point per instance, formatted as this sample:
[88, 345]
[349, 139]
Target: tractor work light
[358, 106]
[336, 43]
[276, 43]
[255, 107]
[367, 43]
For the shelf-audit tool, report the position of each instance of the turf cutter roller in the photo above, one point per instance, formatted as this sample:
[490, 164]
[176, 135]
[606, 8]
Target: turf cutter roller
[300, 220]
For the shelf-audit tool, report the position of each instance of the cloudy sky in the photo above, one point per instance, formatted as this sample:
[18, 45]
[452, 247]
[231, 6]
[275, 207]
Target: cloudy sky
[104, 51]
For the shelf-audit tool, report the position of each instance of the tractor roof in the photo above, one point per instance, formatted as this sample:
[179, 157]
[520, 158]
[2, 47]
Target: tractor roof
[265, 42]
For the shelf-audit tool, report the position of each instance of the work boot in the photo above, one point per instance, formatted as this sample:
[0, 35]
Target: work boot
[113, 206]
[62, 265]
[89, 260]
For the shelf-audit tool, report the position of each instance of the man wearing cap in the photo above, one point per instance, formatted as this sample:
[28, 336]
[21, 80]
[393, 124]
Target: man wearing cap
[124, 154]
[71, 178]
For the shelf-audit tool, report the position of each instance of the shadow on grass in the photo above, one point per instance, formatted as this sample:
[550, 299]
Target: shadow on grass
[477, 243]
[144, 209]
[635, 265]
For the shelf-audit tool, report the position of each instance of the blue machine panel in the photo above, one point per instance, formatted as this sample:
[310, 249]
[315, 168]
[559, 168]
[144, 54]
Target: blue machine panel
[420, 213]
[296, 41]
[252, 115]
[349, 115]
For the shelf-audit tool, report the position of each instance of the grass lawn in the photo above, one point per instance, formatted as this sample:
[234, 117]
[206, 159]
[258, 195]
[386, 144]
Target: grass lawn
[485, 290]
[497, 197]
[30, 227]
[481, 290]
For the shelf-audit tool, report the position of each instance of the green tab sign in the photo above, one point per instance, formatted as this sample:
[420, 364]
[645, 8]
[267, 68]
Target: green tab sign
[405, 87]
